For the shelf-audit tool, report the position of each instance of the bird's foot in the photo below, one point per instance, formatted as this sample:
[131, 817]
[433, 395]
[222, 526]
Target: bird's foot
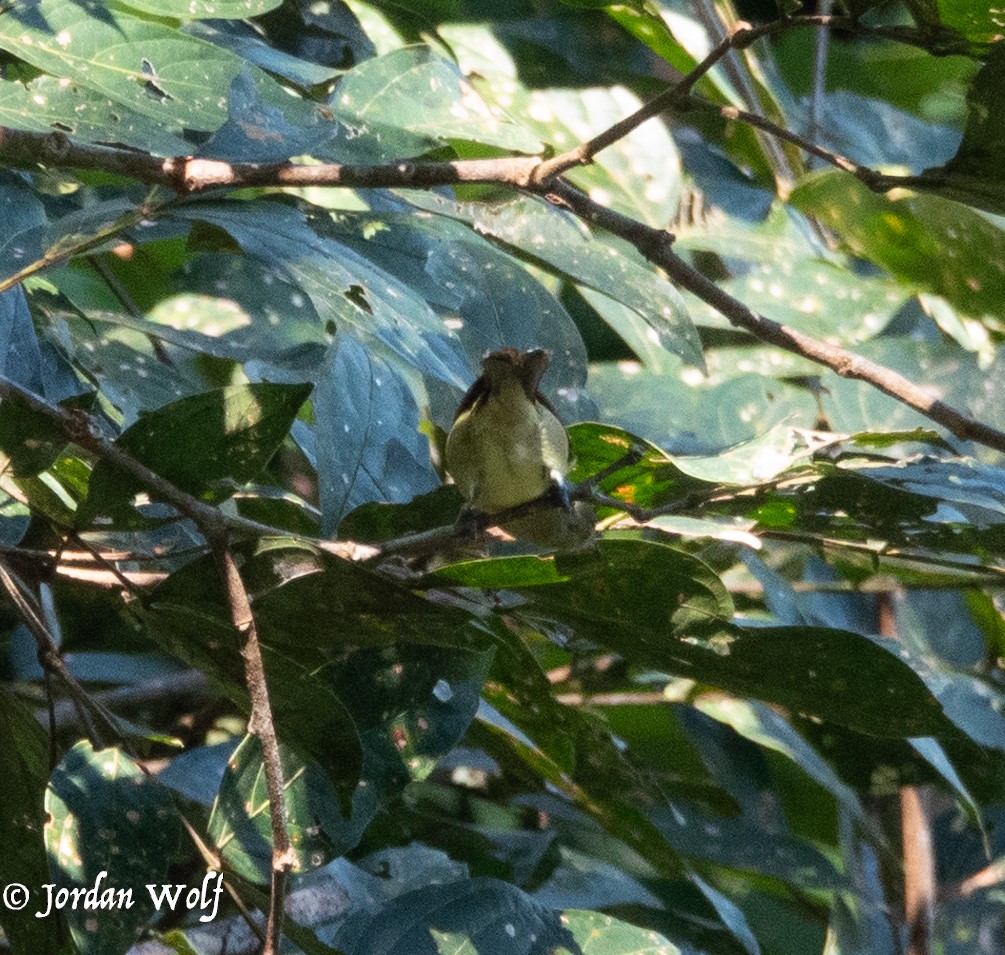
[559, 491]
[468, 523]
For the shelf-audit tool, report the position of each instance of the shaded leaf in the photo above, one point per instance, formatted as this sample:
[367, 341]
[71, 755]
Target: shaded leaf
[241, 821]
[660, 606]
[24, 765]
[343, 286]
[241, 425]
[489, 915]
[113, 829]
[366, 425]
[561, 244]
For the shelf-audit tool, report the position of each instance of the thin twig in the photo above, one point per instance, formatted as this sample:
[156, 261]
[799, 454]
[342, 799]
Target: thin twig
[90, 713]
[79, 428]
[876, 181]
[819, 91]
[129, 304]
[262, 724]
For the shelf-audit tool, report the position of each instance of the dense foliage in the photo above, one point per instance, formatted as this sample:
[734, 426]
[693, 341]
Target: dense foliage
[728, 727]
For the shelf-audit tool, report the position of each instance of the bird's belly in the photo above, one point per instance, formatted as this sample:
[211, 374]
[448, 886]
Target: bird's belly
[504, 463]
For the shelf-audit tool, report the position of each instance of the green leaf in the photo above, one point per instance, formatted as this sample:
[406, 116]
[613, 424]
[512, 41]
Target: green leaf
[407, 702]
[343, 286]
[662, 607]
[973, 175]
[366, 425]
[204, 9]
[647, 25]
[377, 521]
[599, 934]
[240, 427]
[25, 769]
[650, 480]
[974, 491]
[481, 915]
[111, 829]
[978, 21]
[242, 39]
[955, 375]
[639, 175]
[490, 298]
[48, 104]
[15, 517]
[145, 65]
[925, 241]
[823, 299]
[762, 725]
[561, 244]
[406, 102]
[691, 421]
[240, 824]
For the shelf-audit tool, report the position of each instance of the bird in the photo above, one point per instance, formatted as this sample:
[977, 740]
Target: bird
[507, 447]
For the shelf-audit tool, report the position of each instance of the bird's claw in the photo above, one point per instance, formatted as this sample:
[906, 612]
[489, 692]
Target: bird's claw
[559, 491]
[467, 524]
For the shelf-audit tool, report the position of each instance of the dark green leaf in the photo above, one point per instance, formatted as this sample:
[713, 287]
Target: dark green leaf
[665, 608]
[25, 769]
[111, 829]
[48, 104]
[241, 821]
[481, 915]
[207, 444]
[366, 425]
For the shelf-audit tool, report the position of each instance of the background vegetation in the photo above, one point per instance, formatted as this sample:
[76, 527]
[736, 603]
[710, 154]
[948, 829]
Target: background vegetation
[252, 253]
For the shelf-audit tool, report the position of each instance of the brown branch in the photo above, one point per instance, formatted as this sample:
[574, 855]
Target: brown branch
[191, 685]
[655, 245]
[188, 175]
[917, 844]
[583, 154]
[876, 181]
[262, 724]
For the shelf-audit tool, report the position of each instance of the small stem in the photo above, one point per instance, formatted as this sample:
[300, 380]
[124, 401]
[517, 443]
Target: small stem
[262, 724]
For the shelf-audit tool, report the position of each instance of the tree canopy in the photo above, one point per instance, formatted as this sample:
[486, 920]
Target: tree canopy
[253, 254]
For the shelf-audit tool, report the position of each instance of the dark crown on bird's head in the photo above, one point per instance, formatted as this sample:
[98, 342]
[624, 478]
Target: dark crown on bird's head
[504, 364]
